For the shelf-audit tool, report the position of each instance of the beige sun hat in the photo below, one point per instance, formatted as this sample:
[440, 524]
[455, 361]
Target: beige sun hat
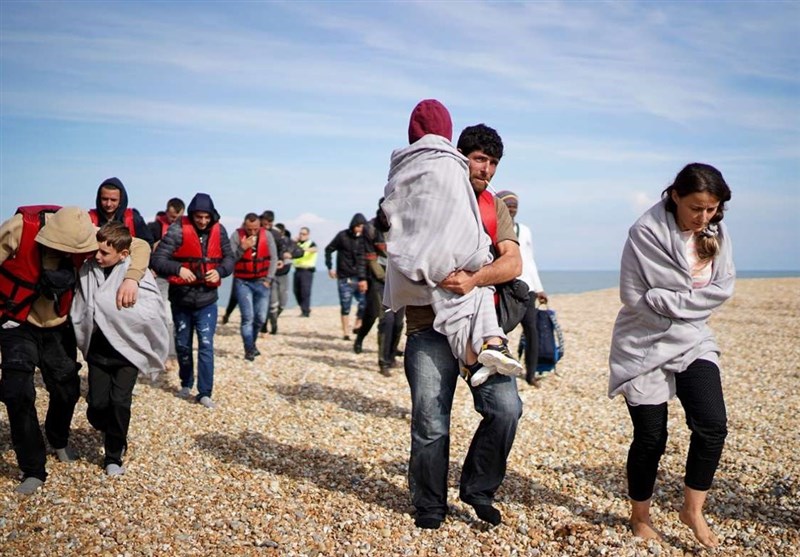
[69, 230]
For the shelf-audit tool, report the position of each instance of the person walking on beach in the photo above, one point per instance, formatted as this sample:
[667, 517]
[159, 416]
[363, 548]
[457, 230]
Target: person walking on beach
[41, 249]
[117, 345]
[195, 255]
[256, 260]
[433, 372]
[530, 276]
[279, 296]
[112, 204]
[390, 323]
[677, 268]
[304, 268]
[351, 271]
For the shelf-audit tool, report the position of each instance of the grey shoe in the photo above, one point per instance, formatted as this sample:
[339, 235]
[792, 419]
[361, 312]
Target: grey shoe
[29, 486]
[207, 402]
[66, 454]
[185, 392]
[114, 470]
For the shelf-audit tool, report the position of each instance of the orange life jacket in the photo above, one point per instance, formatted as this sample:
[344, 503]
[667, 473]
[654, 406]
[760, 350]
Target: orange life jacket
[20, 273]
[127, 219]
[164, 221]
[253, 265]
[190, 254]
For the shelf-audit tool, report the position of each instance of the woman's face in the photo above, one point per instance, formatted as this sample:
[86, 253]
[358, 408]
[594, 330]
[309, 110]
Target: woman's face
[695, 210]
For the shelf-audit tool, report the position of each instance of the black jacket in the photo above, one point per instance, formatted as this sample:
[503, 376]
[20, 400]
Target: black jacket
[198, 295]
[350, 250]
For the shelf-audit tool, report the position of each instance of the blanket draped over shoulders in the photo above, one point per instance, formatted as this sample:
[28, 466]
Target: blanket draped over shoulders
[663, 324]
[139, 333]
[435, 222]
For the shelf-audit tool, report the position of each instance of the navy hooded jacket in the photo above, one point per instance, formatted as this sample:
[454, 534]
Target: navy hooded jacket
[140, 226]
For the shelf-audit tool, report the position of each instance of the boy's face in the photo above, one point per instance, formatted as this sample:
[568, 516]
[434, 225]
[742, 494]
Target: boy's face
[106, 256]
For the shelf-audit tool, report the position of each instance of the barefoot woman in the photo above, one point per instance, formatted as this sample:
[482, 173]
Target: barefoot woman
[676, 269]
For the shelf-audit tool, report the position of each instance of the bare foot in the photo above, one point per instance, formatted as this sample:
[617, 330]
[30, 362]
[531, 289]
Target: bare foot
[700, 528]
[644, 529]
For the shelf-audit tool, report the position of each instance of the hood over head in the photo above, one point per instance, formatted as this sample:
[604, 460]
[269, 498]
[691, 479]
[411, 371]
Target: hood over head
[357, 219]
[114, 183]
[69, 230]
[430, 116]
[203, 202]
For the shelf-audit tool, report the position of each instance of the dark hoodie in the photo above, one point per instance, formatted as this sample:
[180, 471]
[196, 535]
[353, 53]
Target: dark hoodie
[140, 226]
[198, 295]
[349, 250]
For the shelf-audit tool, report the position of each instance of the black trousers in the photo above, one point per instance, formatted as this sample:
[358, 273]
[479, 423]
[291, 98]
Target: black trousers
[109, 405]
[54, 352]
[303, 278]
[531, 339]
[700, 391]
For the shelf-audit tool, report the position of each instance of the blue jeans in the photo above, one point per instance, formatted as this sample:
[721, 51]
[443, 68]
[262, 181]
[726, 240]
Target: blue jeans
[432, 373]
[204, 321]
[253, 298]
[348, 289]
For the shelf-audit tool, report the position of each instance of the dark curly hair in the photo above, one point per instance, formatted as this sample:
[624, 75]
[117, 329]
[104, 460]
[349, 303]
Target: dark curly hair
[480, 138]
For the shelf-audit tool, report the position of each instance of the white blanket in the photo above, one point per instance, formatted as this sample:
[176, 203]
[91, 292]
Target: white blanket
[436, 229]
[662, 326]
[139, 333]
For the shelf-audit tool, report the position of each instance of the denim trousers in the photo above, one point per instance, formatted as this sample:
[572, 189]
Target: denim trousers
[700, 391]
[54, 351]
[348, 290]
[187, 321]
[433, 373]
[253, 296]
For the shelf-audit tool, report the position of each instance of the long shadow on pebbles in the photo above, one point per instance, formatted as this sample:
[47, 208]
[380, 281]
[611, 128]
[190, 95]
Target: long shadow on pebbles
[348, 399]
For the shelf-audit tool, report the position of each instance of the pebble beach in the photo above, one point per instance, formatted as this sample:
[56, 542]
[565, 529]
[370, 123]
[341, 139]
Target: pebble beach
[307, 451]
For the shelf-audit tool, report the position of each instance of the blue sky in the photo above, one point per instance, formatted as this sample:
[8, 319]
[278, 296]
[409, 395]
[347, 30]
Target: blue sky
[296, 107]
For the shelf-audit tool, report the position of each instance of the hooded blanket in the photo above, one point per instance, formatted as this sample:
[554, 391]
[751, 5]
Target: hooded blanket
[435, 229]
[138, 333]
[662, 327]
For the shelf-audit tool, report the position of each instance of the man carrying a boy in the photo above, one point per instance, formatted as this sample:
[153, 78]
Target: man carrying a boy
[116, 345]
[195, 255]
[41, 248]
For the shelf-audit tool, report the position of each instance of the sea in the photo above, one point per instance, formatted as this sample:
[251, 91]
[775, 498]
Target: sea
[324, 292]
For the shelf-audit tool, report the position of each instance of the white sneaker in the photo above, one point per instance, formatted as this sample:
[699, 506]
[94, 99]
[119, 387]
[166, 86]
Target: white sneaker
[501, 360]
[480, 376]
[114, 470]
[207, 402]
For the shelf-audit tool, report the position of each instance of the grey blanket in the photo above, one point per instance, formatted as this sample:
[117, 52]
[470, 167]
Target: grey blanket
[139, 333]
[435, 230]
[662, 326]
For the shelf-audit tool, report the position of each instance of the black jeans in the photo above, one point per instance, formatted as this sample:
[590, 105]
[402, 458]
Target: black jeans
[109, 405]
[700, 391]
[303, 278]
[53, 350]
[531, 339]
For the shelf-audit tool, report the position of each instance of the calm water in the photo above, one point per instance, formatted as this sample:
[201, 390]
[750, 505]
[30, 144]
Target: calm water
[555, 282]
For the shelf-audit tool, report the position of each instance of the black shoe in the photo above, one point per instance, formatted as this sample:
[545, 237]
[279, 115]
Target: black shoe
[274, 330]
[256, 352]
[428, 522]
[305, 314]
[346, 337]
[488, 514]
[385, 369]
[357, 348]
[225, 319]
[250, 356]
[398, 353]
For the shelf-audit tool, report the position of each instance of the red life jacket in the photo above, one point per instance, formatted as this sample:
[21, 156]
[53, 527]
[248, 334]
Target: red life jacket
[127, 219]
[190, 254]
[250, 265]
[20, 273]
[489, 220]
[164, 224]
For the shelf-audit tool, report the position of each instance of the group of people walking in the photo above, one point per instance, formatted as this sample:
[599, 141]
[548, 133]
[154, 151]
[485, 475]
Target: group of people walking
[432, 256]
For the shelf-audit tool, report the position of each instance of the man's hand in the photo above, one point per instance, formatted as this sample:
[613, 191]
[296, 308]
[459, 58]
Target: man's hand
[280, 264]
[126, 295]
[459, 282]
[212, 276]
[362, 286]
[249, 242]
[332, 273]
[542, 297]
[187, 275]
